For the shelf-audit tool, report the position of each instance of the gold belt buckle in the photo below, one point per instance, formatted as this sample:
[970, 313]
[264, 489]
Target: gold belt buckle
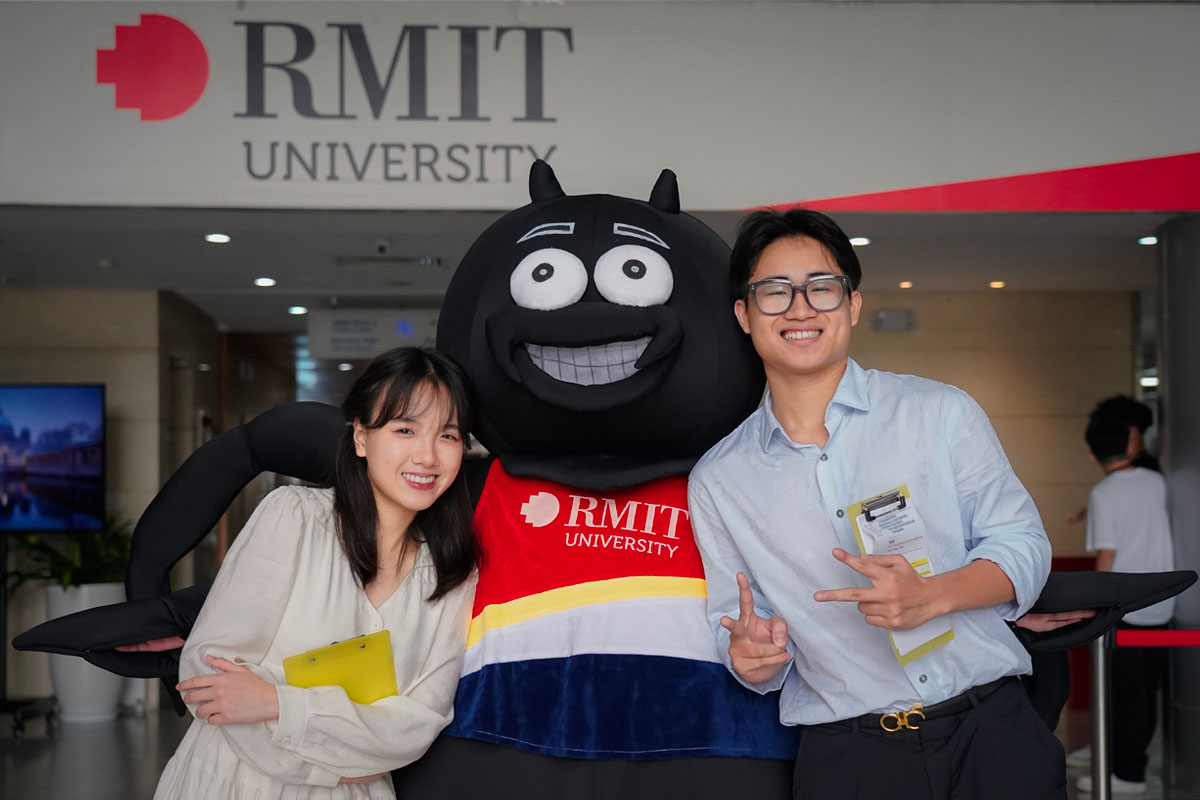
[903, 719]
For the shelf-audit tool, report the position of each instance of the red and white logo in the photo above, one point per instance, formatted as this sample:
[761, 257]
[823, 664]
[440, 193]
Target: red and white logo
[159, 67]
[540, 509]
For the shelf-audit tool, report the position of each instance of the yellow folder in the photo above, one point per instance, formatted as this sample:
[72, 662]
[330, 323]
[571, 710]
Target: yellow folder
[362, 666]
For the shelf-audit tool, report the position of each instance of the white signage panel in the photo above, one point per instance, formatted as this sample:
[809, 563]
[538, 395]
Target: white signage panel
[365, 333]
[411, 105]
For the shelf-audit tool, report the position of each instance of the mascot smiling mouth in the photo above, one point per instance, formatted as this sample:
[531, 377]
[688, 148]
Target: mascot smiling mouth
[590, 365]
[559, 357]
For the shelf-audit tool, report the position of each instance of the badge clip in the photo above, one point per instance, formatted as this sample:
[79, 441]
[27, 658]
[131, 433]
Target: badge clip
[884, 504]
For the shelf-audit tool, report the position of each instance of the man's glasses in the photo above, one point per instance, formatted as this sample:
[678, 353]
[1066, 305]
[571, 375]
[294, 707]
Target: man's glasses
[774, 296]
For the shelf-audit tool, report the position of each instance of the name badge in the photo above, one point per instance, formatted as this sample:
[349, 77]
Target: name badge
[888, 525]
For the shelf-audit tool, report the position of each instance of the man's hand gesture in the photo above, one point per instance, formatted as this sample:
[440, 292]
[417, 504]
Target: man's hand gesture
[757, 646]
[899, 598]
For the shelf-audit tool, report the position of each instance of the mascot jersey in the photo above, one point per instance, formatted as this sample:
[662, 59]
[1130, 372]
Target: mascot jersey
[592, 641]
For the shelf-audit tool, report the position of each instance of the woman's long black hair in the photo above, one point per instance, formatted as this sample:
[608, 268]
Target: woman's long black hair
[381, 393]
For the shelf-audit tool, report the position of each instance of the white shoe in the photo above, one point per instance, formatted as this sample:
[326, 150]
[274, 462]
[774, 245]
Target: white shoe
[1080, 758]
[1084, 784]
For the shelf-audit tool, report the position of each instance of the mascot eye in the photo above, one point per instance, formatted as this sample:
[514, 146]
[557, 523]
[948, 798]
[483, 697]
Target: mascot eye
[548, 279]
[632, 275]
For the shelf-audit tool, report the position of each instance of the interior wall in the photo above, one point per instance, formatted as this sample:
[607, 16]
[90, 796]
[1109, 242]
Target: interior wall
[261, 375]
[1036, 362]
[187, 392]
[109, 337]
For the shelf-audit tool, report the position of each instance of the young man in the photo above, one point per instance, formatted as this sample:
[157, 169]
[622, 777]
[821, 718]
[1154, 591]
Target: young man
[1128, 530]
[895, 488]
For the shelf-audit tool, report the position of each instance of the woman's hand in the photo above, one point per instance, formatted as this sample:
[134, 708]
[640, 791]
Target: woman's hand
[233, 695]
[364, 779]
[152, 646]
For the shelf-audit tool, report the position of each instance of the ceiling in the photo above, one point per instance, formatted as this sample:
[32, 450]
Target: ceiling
[404, 259]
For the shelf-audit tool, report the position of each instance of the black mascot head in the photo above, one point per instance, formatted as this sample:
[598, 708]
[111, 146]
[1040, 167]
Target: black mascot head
[600, 336]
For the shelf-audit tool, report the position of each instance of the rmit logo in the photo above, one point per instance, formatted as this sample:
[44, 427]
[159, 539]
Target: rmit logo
[158, 66]
[540, 509]
[299, 62]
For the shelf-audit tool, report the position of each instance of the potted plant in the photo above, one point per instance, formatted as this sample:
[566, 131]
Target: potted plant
[83, 570]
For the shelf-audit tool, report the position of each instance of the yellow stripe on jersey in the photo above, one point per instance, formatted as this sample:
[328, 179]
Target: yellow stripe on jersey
[565, 598]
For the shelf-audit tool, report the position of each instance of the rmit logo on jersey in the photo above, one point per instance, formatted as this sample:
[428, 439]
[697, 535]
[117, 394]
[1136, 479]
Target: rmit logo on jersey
[160, 66]
[634, 516]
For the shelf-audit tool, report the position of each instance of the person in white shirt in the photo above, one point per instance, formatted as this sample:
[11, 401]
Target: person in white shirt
[1128, 529]
[390, 546]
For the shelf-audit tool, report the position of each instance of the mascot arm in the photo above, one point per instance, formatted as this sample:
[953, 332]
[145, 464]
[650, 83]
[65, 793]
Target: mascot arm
[297, 439]
[93, 634]
[1111, 594]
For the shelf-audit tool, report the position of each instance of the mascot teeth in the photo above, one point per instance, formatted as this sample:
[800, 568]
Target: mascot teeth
[589, 366]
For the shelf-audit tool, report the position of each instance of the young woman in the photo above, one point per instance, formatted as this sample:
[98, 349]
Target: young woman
[389, 546]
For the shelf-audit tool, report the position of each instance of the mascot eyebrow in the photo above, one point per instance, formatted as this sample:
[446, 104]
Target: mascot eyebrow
[625, 229]
[568, 228]
[549, 229]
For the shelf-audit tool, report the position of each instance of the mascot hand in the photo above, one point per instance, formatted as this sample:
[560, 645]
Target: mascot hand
[364, 779]
[757, 646]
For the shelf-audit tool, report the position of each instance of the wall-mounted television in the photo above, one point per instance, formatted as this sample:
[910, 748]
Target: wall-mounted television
[51, 457]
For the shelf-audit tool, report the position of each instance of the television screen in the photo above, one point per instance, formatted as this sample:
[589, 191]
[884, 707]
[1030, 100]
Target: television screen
[51, 457]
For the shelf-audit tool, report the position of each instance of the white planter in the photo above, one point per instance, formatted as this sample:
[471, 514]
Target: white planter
[85, 693]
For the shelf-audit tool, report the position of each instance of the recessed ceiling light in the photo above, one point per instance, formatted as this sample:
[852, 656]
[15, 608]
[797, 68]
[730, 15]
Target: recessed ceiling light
[1148, 240]
[264, 282]
[997, 284]
[1148, 382]
[203, 367]
[345, 366]
[297, 310]
[905, 284]
[218, 238]
[860, 241]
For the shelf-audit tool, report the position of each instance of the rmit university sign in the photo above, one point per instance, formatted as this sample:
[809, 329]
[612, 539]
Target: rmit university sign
[386, 79]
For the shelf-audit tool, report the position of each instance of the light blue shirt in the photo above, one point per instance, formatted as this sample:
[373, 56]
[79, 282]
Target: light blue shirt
[774, 509]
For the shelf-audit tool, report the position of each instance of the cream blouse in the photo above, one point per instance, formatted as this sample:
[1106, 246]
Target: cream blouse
[286, 587]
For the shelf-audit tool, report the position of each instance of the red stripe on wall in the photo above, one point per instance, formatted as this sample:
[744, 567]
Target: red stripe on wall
[1169, 183]
[1128, 638]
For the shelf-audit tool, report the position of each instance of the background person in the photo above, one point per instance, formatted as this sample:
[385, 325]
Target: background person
[772, 500]
[1139, 418]
[390, 546]
[1128, 529]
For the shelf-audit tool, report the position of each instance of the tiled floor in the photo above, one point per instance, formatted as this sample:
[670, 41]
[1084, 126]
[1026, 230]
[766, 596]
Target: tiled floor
[118, 760]
[121, 760]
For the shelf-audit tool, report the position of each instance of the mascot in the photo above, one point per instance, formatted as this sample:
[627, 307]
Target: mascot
[598, 332]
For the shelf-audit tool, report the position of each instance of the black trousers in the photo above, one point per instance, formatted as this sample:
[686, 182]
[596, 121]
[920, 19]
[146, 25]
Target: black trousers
[1137, 675]
[465, 769]
[996, 750]
[1049, 686]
